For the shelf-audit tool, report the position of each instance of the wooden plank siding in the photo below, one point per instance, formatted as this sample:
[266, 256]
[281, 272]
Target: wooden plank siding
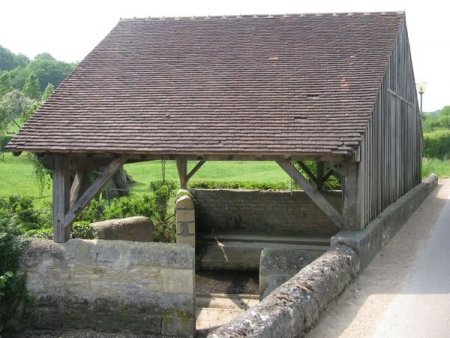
[391, 151]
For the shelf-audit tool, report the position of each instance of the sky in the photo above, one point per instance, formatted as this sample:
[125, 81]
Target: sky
[70, 29]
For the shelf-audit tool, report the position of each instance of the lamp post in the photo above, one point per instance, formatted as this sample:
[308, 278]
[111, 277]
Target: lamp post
[421, 86]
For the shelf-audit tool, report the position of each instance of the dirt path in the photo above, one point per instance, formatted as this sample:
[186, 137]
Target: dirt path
[372, 302]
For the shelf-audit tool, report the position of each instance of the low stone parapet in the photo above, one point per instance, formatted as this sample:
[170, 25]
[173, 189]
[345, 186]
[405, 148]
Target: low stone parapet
[111, 286]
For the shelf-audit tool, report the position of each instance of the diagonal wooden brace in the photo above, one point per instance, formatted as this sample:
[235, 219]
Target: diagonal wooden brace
[63, 217]
[312, 192]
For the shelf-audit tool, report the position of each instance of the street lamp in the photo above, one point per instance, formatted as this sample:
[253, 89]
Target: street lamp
[421, 86]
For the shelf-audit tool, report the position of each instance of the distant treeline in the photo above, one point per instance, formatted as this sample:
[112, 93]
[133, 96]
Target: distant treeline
[24, 85]
[46, 68]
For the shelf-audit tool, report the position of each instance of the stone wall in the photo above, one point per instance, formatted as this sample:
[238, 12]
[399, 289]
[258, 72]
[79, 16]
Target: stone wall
[269, 212]
[110, 286]
[185, 218]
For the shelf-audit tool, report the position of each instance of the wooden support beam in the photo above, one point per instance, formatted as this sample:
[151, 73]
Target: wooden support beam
[351, 208]
[307, 171]
[328, 174]
[195, 169]
[319, 175]
[340, 167]
[182, 172]
[79, 185]
[95, 188]
[316, 196]
[61, 198]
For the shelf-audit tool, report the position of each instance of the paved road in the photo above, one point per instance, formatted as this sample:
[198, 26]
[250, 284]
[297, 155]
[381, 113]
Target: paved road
[405, 291]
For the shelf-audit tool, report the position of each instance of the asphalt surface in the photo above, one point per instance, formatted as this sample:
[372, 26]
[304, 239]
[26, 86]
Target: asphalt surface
[405, 291]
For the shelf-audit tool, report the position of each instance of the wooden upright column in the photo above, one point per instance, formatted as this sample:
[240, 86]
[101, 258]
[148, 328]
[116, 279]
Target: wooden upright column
[182, 172]
[61, 199]
[351, 205]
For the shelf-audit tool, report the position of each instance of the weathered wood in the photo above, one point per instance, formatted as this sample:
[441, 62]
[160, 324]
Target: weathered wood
[319, 175]
[79, 185]
[316, 196]
[351, 211]
[61, 199]
[93, 190]
[195, 169]
[307, 171]
[328, 175]
[340, 167]
[182, 172]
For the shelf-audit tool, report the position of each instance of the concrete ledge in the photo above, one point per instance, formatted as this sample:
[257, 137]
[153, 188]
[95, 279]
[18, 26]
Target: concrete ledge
[293, 308]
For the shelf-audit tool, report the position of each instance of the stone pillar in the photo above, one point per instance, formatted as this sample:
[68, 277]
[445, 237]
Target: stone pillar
[185, 214]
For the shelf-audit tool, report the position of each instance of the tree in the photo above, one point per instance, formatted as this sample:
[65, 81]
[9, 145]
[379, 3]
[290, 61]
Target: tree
[15, 103]
[48, 92]
[32, 87]
[44, 56]
[5, 84]
[7, 61]
[50, 71]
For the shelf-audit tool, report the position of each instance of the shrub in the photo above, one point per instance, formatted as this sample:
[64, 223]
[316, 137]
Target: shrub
[83, 230]
[15, 301]
[22, 210]
[155, 206]
[206, 184]
[437, 144]
[4, 141]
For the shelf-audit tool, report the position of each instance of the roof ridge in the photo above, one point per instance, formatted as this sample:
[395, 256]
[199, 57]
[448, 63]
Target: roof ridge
[264, 16]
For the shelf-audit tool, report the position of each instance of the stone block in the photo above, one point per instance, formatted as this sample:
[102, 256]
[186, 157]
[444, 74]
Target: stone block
[278, 265]
[178, 280]
[186, 240]
[185, 202]
[185, 215]
[137, 228]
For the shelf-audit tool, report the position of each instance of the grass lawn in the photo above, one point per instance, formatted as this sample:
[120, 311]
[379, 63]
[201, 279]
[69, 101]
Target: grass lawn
[16, 178]
[145, 172]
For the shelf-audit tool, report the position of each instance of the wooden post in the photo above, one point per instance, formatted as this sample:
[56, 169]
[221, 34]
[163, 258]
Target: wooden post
[319, 175]
[61, 199]
[79, 185]
[182, 172]
[351, 205]
[312, 192]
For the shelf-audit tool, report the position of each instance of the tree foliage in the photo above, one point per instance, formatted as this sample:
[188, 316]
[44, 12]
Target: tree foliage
[32, 87]
[5, 84]
[44, 66]
[438, 120]
[48, 92]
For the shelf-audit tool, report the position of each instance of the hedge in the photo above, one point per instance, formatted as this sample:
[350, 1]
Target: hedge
[437, 144]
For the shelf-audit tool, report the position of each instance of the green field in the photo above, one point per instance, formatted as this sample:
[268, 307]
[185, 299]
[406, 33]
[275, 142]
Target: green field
[145, 172]
[16, 174]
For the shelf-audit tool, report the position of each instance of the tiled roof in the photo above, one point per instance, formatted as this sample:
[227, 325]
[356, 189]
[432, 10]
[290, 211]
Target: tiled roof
[221, 85]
